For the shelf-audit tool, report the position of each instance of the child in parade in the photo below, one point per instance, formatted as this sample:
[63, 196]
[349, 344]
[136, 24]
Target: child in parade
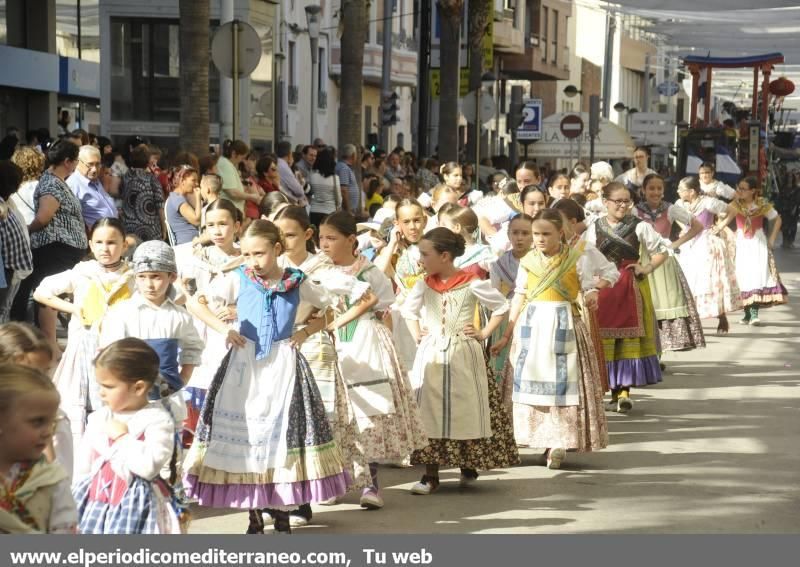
[390, 426]
[24, 344]
[477, 257]
[533, 200]
[460, 404]
[35, 495]
[153, 316]
[706, 259]
[756, 272]
[400, 260]
[205, 265]
[678, 322]
[128, 441]
[625, 314]
[559, 186]
[503, 276]
[319, 349]
[264, 386]
[558, 397]
[96, 285]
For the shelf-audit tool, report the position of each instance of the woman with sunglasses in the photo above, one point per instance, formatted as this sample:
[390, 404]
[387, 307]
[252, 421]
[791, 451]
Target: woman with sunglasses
[626, 316]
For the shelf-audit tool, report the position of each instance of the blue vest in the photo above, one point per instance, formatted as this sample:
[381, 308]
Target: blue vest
[167, 351]
[265, 315]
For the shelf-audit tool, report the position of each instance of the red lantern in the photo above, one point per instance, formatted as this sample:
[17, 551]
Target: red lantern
[781, 87]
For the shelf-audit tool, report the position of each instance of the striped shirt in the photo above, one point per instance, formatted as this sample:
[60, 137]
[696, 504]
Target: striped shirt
[16, 249]
[66, 226]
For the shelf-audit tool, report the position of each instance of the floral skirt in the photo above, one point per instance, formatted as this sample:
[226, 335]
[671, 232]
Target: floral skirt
[495, 452]
[678, 322]
[707, 263]
[583, 427]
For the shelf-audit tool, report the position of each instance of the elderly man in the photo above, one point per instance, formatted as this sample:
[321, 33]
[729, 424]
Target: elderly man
[352, 199]
[85, 184]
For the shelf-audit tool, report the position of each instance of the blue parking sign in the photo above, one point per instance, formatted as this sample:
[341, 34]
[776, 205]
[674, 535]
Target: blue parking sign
[531, 126]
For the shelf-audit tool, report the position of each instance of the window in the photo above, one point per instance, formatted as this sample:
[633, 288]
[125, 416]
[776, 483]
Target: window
[3, 35]
[545, 29]
[78, 29]
[554, 37]
[145, 71]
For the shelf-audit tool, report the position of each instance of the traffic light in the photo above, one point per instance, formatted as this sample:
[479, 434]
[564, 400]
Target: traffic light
[389, 108]
[372, 142]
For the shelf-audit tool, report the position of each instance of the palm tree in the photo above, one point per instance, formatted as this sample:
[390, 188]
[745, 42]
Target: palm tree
[479, 13]
[194, 48]
[449, 48]
[353, 28]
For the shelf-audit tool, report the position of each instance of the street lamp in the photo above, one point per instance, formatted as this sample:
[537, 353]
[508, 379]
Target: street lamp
[487, 77]
[313, 21]
[570, 91]
[621, 107]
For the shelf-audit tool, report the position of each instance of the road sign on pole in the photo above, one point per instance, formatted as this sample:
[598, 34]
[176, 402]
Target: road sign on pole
[531, 126]
[571, 126]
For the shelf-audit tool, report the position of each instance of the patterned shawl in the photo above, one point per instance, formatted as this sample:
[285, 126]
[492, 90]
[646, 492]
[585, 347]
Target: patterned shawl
[613, 244]
[549, 271]
[762, 207]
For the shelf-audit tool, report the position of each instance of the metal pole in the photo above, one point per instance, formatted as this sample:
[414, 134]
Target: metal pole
[477, 133]
[235, 79]
[608, 63]
[424, 91]
[647, 82]
[314, 42]
[386, 67]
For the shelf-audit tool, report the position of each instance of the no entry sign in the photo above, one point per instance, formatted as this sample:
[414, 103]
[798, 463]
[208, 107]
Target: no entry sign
[571, 126]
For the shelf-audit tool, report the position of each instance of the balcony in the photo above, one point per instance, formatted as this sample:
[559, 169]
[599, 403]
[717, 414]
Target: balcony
[404, 61]
[507, 38]
[542, 60]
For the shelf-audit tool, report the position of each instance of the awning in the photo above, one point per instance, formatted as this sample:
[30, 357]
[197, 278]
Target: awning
[611, 143]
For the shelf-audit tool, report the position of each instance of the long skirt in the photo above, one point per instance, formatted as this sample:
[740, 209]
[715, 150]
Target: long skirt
[711, 274]
[757, 273]
[75, 379]
[634, 361]
[678, 322]
[389, 422]
[320, 353]
[582, 427]
[263, 439]
[462, 408]
[146, 507]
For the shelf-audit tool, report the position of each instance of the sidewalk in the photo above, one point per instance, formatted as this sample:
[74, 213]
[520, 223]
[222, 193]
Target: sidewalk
[713, 449]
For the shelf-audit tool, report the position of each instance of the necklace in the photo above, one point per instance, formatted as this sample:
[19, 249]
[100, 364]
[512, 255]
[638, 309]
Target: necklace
[113, 266]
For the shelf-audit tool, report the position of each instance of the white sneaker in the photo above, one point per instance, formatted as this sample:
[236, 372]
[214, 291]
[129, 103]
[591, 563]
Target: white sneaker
[624, 405]
[371, 500]
[555, 457]
[421, 488]
[755, 322]
[297, 521]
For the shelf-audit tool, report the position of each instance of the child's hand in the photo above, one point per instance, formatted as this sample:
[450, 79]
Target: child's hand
[498, 346]
[590, 299]
[234, 339]
[298, 338]
[473, 333]
[116, 429]
[226, 313]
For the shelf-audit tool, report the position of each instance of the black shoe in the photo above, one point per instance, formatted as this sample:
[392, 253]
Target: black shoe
[301, 516]
[282, 523]
[468, 477]
[256, 523]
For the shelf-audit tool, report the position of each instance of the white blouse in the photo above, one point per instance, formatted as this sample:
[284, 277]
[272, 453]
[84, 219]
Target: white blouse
[483, 291]
[646, 234]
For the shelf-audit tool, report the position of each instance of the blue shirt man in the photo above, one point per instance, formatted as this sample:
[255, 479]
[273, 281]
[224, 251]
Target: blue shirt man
[85, 184]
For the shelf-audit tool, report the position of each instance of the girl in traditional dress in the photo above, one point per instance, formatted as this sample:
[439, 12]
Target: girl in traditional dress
[264, 387]
[678, 322]
[756, 272]
[461, 407]
[714, 187]
[558, 398]
[626, 315]
[35, 495]
[633, 178]
[118, 487]
[95, 286]
[388, 418]
[477, 257]
[503, 275]
[21, 343]
[533, 200]
[705, 259]
[206, 264]
[319, 349]
[400, 261]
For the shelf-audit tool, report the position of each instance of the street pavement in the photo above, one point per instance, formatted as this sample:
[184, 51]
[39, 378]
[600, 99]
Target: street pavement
[712, 449]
